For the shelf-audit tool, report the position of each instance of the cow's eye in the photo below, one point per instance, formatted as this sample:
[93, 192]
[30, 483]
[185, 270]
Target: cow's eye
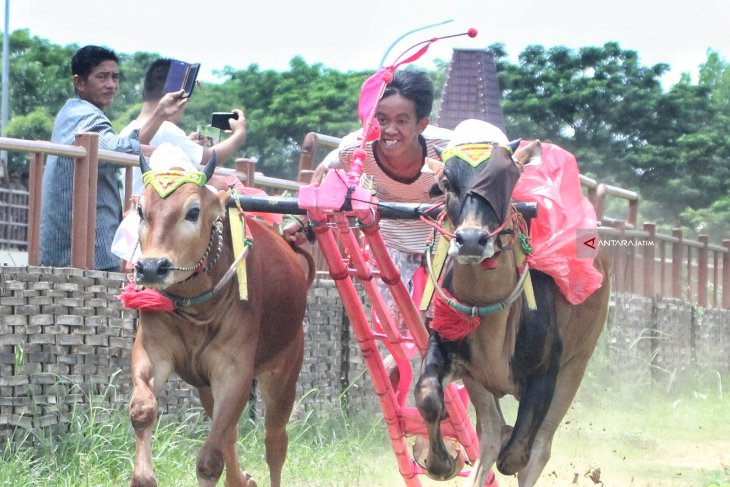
[447, 184]
[139, 212]
[192, 214]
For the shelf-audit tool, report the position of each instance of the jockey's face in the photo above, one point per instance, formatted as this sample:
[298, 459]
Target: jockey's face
[399, 125]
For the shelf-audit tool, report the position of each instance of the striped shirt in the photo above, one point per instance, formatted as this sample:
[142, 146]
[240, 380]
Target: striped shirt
[408, 236]
[75, 116]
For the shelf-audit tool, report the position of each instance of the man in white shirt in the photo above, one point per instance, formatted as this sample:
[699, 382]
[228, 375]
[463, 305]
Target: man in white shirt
[169, 132]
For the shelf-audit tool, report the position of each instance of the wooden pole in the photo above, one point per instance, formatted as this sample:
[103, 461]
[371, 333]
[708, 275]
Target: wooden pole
[677, 264]
[648, 257]
[35, 188]
[702, 270]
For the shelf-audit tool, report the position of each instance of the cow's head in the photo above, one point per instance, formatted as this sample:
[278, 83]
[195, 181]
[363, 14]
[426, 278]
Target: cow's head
[478, 178]
[180, 230]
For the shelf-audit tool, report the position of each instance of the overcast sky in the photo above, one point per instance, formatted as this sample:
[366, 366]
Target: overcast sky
[348, 35]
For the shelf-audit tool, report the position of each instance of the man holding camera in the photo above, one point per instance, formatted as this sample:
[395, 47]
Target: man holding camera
[194, 146]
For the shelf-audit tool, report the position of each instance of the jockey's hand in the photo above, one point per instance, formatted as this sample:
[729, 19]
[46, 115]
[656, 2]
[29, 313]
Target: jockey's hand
[297, 232]
[319, 172]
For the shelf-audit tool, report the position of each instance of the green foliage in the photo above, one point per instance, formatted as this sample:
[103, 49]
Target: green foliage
[595, 102]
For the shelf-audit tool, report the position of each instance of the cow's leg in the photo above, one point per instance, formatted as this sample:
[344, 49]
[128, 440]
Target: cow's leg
[590, 319]
[230, 455]
[278, 388]
[230, 387]
[569, 379]
[148, 375]
[489, 428]
[429, 394]
[536, 365]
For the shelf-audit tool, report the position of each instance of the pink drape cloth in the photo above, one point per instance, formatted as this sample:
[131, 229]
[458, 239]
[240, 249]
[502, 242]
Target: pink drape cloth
[563, 211]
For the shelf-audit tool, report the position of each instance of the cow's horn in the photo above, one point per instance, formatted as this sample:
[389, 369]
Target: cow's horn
[210, 167]
[143, 164]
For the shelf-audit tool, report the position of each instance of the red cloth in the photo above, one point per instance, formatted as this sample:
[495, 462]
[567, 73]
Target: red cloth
[144, 299]
[554, 184]
[450, 324]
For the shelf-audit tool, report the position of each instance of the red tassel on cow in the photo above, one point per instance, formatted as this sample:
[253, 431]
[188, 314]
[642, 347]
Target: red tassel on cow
[144, 299]
[450, 324]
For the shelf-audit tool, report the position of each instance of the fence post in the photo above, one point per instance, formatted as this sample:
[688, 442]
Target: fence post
[677, 264]
[306, 156]
[633, 212]
[648, 257]
[620, 262]
[726, 275]
[35, 187]
[128, 183]
[702, 264]
[305, 176]
[247, 167]
[83, 209]
[599, 200]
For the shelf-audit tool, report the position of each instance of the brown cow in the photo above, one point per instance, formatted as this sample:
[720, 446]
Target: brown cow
[214, 340]
[538, 356]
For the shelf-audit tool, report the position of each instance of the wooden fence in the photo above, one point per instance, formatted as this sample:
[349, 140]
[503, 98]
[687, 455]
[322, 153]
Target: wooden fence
[645, 262]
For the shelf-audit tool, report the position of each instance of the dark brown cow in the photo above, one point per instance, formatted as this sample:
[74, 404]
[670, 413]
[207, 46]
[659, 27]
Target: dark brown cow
[538, 356]
[217, 343]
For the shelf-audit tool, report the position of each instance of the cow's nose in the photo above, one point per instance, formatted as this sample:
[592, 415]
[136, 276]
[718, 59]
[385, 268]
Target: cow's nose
[471, 241]
[152, 270]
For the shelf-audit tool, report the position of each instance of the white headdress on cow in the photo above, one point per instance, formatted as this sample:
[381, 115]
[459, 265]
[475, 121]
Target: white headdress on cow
[472, 131]
[168, 156]
[169, 168]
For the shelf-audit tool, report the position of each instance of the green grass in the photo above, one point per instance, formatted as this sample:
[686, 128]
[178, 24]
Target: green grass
[636, 436]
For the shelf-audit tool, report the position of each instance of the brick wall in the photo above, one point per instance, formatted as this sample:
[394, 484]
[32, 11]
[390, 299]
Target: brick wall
[64, 335]
[658, 341]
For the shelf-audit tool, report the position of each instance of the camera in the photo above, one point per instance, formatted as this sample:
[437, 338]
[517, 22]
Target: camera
[220, 120]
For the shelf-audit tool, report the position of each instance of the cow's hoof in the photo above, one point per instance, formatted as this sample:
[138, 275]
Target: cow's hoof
[245, 480]
[143, 481]
[510, 464]
[451, 465]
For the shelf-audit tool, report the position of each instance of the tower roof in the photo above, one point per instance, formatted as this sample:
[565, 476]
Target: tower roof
[471, 90]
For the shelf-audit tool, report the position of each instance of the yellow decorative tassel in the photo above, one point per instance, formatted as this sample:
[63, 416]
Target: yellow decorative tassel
[238, 235]
[527, 289]
[442, 251]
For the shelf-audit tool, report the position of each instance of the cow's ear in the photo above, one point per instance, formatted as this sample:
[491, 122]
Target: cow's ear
[435, 190]
[529, 154]
[514, 145]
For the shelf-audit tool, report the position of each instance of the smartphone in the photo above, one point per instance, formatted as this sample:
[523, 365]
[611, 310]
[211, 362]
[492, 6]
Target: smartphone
[220, 120]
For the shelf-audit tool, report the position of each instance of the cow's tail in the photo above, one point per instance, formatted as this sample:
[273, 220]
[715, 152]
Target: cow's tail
[312, 272]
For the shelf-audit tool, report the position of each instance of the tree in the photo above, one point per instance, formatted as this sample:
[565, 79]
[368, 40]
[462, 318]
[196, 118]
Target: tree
[685, 164]
[596, 102]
